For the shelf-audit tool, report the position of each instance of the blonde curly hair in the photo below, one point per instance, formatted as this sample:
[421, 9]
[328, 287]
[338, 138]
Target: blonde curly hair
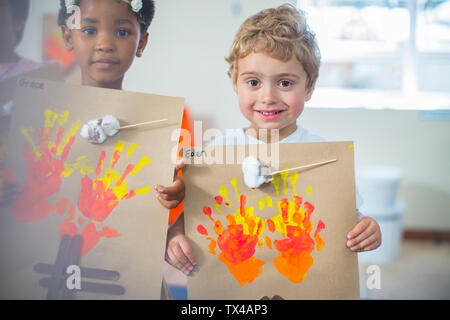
[282, 33]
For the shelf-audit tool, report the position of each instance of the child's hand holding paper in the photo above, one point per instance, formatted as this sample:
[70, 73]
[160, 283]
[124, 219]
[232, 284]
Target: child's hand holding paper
[365, 236]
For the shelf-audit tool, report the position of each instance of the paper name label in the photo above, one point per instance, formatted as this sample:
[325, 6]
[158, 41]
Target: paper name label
[220, 154]
[31, 84]
[192, 153]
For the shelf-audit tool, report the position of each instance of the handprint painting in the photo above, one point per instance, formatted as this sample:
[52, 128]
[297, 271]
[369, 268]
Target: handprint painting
[98, 198]
[244, 234]
[284, 238]
[46, 165]
[47, 168]
[101, 194]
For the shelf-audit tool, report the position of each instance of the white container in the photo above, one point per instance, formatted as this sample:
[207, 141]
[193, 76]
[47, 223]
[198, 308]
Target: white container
[391, 225]
[378, 187]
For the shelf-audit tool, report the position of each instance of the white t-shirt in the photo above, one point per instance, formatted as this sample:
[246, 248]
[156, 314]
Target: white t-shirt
[238, 136]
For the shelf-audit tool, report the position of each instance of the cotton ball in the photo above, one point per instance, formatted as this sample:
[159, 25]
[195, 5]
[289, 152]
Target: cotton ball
[93, 132]
[110, 125]
[252, 173]
[84, 132]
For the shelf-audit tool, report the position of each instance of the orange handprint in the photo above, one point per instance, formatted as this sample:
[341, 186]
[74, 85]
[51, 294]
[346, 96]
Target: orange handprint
[99, 197]
[46, 167]
[294, 223]
[245, 235]
[238, 241]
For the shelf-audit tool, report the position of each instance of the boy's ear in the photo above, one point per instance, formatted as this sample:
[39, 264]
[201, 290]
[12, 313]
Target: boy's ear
[67, 38]
[142, 44]
[233, 81]
[309, 92]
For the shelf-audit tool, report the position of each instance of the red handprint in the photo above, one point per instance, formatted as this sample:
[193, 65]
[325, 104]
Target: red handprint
[98, 198]
[294, 223]
[238, 242]
[46, 167]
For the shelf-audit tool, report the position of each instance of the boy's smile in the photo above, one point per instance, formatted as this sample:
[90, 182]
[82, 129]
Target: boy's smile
[271, 92]
[270, 114]
[107, 42]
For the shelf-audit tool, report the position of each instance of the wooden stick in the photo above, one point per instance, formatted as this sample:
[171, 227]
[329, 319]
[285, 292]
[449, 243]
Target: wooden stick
[304, 166]
[141, 124]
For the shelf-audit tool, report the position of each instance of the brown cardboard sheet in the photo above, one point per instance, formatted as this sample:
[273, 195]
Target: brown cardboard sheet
[286, 238]
[103, 193]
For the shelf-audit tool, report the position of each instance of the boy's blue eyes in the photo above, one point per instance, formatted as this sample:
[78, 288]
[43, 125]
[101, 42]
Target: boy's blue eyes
[253, 83]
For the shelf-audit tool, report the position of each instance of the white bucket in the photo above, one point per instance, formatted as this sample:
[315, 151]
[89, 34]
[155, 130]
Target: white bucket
[378, 187]
[391, 225]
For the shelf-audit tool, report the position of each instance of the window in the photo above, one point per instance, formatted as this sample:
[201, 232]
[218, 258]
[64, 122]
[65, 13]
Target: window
[392, 46]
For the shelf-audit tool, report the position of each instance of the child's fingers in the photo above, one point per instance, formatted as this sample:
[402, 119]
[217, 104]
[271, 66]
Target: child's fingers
[174, 191]
[184, 244]
[170, 197]
[166, 197]
[366, 244]
[360, 237]
[168, 204]
[180, 164]
[375, 244]
[181, 261]
[365, 236]
[360, 227]
[179, 196]
[172, 259]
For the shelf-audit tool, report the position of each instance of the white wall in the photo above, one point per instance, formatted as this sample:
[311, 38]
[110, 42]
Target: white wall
[31, 45]
[185, 57]
[420, 148]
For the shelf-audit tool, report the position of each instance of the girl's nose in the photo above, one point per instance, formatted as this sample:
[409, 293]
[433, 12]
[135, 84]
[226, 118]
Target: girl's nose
[105, 42]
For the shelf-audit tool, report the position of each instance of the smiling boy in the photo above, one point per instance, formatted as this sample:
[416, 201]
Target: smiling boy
[274, 64]
[271, 93]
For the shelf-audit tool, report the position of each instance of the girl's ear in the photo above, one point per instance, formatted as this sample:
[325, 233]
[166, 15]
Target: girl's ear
[67, 38]
[142, 44]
